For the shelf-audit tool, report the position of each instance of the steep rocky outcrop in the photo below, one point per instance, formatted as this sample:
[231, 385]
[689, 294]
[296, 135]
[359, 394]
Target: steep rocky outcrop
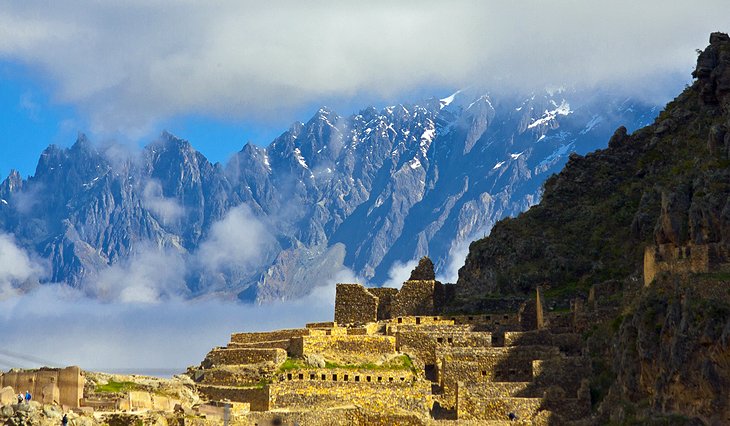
[655, 202]
[423, 271]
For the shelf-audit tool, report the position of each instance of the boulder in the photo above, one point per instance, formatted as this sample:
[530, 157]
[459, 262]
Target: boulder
[618, 138]
[7, 396]
[7, 411]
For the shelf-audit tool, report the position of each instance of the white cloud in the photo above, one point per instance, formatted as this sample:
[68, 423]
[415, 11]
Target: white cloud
[16, 267]
[63, 326]
[399, 273]
[239, 239]
[129, 65]
[167, 209]
[149, 275]
[456, 259]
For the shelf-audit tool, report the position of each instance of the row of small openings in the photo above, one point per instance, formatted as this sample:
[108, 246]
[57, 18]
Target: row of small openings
[448, 340]
[486, 317]
[345, 377]
[510, 372]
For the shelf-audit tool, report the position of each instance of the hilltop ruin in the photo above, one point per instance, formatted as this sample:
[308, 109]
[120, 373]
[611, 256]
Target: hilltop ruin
[393, 357]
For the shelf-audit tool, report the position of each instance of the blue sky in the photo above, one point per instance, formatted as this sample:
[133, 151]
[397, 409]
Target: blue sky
[31, 120]
[243, 70]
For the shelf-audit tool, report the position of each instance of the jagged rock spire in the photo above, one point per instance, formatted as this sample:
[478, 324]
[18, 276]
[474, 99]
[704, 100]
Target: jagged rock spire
[424, 270]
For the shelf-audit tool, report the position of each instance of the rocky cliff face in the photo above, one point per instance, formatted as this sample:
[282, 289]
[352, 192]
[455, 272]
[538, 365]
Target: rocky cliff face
[662, 349]
[364, 191]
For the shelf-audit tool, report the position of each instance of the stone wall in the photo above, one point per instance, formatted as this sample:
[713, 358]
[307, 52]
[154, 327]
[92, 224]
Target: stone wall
[498, 364]
[565, 372]
[347, 376]
[234, 375]
[492, 320]
[530, 314]
[364, 346]
[240, 356]
[257, 396]
[474, 404]
[415, 298]
[140, 400]
[682, 259]
[379, 397]
[330, 331]
[354, 304]
[325, 324]
[281, 344]
[509, 389]
[385, 297]
[68, 383]
[570, 343]
[422, 341]
[444, 294]
[341, 416]
[268, 336]
[365, 330]
[420, 320]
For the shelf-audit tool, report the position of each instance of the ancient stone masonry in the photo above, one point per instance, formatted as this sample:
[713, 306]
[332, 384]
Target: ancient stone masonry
[411, 366]
[415, 298]
[60, 385]
[385, 297]
[343, 346]
[690, 258]
[355, 305]
[240, 356]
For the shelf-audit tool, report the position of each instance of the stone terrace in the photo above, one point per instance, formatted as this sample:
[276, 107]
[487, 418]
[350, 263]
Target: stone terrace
[414, 367]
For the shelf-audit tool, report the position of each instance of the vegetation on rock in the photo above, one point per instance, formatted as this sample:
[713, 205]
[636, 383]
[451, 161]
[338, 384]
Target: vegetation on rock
[666, 351]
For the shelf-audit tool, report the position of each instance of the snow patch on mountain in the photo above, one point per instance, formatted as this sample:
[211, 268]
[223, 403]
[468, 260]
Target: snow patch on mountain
[300, 158]
[448, 100]
[560, 152]
[548, 116]
[595, 120]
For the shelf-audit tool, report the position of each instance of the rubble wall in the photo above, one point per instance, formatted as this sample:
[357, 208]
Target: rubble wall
[475, 404]
[258, 397]
[422, 341]
[366, 346]
[354, 304]
[414, 298]
[385, 297]
[240, 356]
[379, 397]
[267, 336]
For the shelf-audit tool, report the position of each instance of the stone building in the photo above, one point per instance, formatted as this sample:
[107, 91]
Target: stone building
[390, 358]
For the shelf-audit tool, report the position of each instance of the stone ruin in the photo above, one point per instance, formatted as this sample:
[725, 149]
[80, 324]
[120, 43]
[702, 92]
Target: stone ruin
[472, 369]
[63, 386]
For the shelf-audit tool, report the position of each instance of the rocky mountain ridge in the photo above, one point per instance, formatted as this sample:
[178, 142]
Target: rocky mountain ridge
[366, 192]
[639, 232]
